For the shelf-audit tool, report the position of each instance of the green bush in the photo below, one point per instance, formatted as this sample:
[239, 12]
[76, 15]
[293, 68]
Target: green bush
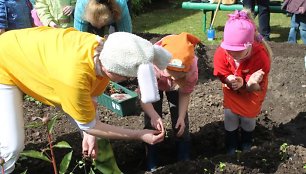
[138, 6]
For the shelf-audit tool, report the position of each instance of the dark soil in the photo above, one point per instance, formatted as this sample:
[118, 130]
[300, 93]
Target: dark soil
[282, 120]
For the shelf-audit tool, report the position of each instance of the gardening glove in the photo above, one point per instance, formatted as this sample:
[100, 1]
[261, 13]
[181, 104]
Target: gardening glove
[180, 127]
[89, 145]
[68, 10]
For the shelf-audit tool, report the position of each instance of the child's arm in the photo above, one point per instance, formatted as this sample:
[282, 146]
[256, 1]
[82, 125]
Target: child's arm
[156, 120]
[184, 99]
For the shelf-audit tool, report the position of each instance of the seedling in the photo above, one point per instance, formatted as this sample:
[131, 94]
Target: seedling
[264, 161]
[283, 151]
[47, 154]
[31, 99]
[222, 166]
[206, 171]
[110, 89]
[238, 155]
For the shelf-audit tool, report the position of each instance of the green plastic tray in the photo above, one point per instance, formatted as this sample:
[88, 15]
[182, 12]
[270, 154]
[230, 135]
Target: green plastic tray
[121, 108]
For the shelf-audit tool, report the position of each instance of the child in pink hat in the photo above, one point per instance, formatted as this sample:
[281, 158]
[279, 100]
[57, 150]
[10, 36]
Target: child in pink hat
[242, 63]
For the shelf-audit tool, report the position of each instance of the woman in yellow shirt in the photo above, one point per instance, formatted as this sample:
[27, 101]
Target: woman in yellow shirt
[68, 68]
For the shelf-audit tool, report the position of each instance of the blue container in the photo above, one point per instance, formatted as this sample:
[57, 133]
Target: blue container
[210, 34]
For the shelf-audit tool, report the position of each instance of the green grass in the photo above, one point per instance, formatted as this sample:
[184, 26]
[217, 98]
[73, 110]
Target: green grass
[174, 20]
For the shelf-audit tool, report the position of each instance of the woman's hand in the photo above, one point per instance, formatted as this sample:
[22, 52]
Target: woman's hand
[67, 10]
[89, 146]
[151, 136]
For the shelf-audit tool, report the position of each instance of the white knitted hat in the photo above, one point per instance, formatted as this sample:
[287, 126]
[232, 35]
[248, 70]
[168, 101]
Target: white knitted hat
[124, 53]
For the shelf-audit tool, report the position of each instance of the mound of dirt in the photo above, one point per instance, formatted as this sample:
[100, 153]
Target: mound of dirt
[282, 122]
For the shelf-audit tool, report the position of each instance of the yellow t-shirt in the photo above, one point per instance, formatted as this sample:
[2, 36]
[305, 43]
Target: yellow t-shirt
[55, 66]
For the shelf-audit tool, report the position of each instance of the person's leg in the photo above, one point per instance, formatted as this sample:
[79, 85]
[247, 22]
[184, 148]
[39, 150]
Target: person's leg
[264, 18]
[293, 30]
[247, 128]
[151, 150]
[231, 125]
[182, 143]
[11, 126]
[302, 22]
[250, 4]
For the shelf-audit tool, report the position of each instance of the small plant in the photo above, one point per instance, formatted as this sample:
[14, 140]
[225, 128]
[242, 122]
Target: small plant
[206, 171]
[283, 151]
[47, 154]
[265, 162]
[110, 89]
[238, 155]
[222, 166]
[31, 99]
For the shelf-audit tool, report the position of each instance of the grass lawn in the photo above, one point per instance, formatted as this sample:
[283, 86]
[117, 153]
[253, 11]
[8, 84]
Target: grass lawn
[175, 20]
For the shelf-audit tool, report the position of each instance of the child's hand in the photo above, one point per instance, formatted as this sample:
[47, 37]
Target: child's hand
[238, 83]
[157, 123]
[53, 25]
[180, 126]
[67, 10]
[235, 82]
[256, 77]
[2, 30]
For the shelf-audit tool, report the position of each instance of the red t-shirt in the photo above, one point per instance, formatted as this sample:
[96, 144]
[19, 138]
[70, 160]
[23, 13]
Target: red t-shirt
[241, 101]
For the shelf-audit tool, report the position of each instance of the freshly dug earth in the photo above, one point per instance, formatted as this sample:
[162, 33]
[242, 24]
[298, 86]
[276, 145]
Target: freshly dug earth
[282, 120]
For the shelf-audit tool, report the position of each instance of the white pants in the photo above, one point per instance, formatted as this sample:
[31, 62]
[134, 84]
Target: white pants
[11, 126]
[232, 121]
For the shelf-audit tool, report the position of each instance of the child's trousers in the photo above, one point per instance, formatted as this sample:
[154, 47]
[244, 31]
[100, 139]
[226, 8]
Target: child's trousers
[11, 126]
[298, 23]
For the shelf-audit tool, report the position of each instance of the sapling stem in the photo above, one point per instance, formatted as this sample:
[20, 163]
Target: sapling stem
[52, 154]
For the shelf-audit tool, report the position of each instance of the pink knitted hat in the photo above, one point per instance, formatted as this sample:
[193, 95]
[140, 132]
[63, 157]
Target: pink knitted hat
[239, 32]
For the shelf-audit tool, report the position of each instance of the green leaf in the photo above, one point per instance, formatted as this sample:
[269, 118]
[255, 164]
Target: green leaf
[65, 163]
[24, 172]
[35, 154]
[62, 144]
[34, 125]
[91, 171]
[51, 124]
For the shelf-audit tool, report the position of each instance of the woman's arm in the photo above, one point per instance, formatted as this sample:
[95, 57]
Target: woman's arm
[114, 132]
